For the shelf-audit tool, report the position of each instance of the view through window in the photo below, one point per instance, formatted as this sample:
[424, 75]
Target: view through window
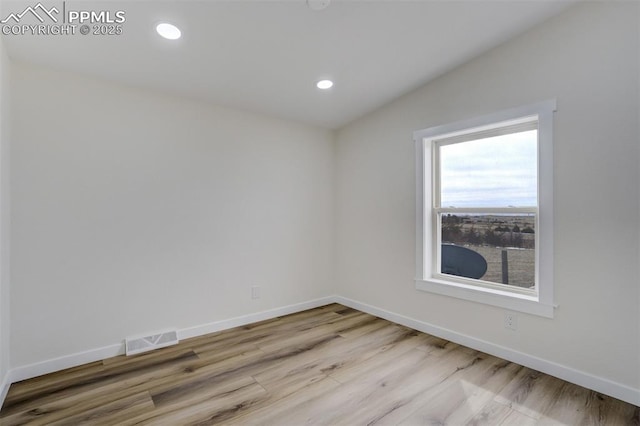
[486, 201]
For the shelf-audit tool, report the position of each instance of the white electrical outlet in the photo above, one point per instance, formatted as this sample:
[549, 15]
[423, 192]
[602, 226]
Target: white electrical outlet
[511, 321]
[255, 292]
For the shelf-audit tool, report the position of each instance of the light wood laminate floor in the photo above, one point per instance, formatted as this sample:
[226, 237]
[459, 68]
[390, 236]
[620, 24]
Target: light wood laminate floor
[330, 365]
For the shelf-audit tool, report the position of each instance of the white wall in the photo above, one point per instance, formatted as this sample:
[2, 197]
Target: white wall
[587, 58]
[4, 216]
[135, 211]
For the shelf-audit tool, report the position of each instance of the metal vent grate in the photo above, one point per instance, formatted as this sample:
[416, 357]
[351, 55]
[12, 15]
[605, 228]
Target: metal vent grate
[148, 343]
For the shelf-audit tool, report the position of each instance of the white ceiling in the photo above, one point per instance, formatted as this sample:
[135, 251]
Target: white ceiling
[266, 56]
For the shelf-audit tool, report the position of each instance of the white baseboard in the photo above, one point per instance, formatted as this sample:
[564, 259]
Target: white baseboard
[73, 360]
[598, 384]
[4, 387]
[569, 374]
[212, 327]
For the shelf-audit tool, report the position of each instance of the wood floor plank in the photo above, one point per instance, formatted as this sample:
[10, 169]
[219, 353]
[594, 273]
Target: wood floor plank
[233, 390]
[400, 395]
[339, 353]
[575, 405]
[491, 414]
[516, 418]
[297, 373]
[329, 327]
[460, 400]
[286, 411]
[530, 393]
[309, 367]
[372, 324]
[196, 375]
[367, 390]
[131, 362]
[60, 393]
[331, 365]
[437, 346]
[280, 327]
[83, 412]
[112, 413]
[603, 409]
[570, 407]
[216, 410]
[87, 396]
[388, 355]
[202, 373]
[50, 383]
[271, 333]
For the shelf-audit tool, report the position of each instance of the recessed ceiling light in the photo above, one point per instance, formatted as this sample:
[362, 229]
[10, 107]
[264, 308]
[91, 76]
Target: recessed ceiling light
[168, 31]
[324, 84]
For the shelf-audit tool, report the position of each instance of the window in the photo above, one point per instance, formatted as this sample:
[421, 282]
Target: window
[485, 209]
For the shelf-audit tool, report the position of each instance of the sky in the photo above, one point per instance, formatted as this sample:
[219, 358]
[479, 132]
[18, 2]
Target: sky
[500, 171]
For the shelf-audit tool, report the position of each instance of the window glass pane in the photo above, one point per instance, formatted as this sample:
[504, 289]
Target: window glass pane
[499, 171]
[505, 241]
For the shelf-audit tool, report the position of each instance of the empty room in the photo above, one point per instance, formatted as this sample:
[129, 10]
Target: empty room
[328, 212]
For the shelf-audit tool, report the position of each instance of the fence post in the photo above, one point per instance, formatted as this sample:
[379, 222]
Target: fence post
[505, 267]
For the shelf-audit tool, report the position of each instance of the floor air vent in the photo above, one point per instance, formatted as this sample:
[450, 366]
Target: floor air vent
[148, 343]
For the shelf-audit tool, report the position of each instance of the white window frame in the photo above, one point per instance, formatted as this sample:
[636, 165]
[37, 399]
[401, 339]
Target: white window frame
[539, 302]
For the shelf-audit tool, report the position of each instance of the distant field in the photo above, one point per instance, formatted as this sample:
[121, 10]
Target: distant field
[521, 265]
[488, 234]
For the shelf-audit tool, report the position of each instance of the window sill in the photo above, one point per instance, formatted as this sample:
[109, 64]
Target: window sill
[503, 299]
